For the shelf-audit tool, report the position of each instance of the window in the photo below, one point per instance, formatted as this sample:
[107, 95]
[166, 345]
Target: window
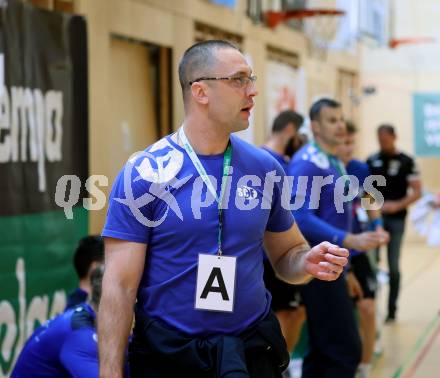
[374, 20]
[204, 32]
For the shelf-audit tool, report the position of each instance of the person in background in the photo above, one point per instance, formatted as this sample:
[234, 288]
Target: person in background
[89, 254]
[284, 136]
[286, 299]
[335, 345]
[67, 345]
[361, 277]
[403, 187]
[196, 283]
[296, 143]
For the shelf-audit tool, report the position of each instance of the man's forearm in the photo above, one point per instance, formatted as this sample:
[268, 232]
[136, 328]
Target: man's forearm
[115, 317]
[409, 199]
[291, 267]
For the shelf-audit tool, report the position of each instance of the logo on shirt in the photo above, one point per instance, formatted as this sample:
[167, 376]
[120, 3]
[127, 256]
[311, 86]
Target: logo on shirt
[165, 164]
[316, 157]
[160, 170]
[246, 192]
[377, 163]
[393, 167]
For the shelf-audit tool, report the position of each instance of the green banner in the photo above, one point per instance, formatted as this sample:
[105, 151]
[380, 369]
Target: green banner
[36, 271]
[43, 136]
[426, 108]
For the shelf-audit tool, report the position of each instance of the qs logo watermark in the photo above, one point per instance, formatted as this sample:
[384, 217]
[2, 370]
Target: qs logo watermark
[249, 192]
[159, 175]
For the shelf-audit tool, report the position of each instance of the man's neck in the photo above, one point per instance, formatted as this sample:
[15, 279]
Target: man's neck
[329, 149]
[391, 152]
[346, 161]
[204, 138]
[85, 285]
[275, 145]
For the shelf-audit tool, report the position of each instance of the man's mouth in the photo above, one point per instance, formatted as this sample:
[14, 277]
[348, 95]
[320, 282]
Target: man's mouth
[247, 109]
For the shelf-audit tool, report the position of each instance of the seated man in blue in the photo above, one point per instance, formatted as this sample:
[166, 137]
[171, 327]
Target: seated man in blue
[65, 346]
[184, 238]
[89, 254]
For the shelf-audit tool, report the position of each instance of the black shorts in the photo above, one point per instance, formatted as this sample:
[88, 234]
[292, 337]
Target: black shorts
[284, 296]
[365, 275]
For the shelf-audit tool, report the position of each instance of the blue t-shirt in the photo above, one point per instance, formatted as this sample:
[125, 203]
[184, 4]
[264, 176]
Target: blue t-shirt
[321, 215]
[165, 177]
[360, 170]
[65, 346]
[279, 158]
[283, 162]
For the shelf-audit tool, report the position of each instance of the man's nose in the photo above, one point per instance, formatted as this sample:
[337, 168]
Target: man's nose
[252, 89]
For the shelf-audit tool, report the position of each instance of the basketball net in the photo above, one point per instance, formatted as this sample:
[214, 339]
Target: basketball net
[320, 26]
[320, 30]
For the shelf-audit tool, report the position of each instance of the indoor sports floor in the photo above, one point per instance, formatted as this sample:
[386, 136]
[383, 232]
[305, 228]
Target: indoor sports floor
[411, 346]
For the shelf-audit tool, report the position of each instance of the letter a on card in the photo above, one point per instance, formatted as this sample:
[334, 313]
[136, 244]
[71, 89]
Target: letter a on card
[215, 283]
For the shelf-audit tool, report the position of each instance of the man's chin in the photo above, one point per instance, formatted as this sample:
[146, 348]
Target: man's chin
[336, 142]
[240, 126]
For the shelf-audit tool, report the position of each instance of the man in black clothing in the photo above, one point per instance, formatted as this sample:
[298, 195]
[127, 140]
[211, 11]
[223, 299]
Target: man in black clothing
[403, 187]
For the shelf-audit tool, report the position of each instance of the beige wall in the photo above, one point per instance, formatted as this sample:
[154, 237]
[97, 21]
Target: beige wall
[397, 75]
[170, 23]
[393, 104]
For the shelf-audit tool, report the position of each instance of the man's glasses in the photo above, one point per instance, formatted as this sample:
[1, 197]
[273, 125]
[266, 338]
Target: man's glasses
[238, 81]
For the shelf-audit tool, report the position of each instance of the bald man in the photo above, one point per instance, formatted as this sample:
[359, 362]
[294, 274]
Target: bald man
[184, 236]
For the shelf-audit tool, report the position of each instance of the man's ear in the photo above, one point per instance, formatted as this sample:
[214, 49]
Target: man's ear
[199, 93]
[93, 266]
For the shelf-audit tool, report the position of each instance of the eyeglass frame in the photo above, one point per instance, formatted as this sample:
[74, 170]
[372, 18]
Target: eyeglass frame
[250, 79]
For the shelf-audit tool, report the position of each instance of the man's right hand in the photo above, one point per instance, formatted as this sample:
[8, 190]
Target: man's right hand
[364, 241]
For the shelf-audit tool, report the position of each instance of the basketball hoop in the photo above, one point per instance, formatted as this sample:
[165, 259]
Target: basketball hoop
[320, 25]
[274, 18]
[396, 42]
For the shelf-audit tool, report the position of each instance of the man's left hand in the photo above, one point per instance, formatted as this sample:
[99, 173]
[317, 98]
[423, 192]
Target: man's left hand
[326, 261]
